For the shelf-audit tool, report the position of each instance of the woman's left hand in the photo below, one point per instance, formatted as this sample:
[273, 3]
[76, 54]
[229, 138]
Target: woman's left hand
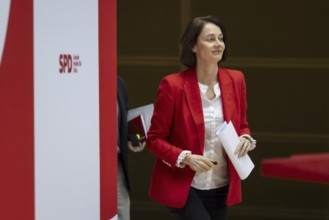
[243, 147]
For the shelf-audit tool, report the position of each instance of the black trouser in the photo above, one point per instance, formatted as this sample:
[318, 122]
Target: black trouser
[203, 205]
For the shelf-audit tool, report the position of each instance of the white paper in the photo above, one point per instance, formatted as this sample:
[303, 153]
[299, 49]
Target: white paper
[230, 140]
[146, 111]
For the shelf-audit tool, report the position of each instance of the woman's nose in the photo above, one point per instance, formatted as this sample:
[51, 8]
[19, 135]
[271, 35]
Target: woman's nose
[219, 43]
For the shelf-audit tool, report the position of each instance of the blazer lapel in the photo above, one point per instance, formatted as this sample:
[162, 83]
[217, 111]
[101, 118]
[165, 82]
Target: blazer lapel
[192, 91]
[226, 87]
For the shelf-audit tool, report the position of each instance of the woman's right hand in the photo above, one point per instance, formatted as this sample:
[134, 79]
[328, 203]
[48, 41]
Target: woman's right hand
[200, 163]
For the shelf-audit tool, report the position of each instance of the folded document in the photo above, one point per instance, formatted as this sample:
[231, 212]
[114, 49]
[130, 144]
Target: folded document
[230, 140]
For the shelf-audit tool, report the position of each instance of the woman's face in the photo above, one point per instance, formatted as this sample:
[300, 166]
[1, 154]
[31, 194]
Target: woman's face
[210, 45]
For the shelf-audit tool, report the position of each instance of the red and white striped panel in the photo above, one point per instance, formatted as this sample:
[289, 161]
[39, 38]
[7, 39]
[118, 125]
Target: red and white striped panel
[57, 109]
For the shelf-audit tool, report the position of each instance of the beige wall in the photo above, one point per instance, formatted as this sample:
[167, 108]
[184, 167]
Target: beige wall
[282, 48]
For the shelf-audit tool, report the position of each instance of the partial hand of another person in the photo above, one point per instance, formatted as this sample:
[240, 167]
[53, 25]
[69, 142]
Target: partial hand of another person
[136, 148]
[199, 163]
[243, 147]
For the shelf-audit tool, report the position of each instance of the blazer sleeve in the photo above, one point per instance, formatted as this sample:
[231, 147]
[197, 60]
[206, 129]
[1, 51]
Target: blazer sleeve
[161, 124]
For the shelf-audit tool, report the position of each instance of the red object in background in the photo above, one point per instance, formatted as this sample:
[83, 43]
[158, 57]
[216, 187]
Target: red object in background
[16, 115]
[137, 126]
[107, 87]
[306, 167]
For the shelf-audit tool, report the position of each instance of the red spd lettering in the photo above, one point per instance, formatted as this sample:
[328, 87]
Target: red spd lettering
[65, 63]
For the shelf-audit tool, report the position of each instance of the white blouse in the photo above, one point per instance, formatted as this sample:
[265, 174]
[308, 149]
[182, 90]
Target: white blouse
[213, 118]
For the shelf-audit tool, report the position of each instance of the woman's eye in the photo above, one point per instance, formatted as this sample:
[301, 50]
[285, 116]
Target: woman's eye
[214, 39]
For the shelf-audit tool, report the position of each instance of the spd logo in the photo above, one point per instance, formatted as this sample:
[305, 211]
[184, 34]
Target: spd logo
[69, 63]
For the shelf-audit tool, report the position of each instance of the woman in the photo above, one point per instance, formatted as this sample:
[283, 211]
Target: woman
[193, 176]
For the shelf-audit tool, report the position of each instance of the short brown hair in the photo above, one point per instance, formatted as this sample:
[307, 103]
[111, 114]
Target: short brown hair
[190, 37]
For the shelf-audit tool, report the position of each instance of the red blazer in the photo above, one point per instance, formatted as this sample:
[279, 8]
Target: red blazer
[177, 124]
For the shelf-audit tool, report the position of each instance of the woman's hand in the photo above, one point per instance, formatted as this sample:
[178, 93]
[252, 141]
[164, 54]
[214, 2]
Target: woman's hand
[200, 163]
[243, 147]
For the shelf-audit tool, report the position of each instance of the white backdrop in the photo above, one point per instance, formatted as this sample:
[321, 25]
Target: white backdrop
[66, 110]
[4, 13]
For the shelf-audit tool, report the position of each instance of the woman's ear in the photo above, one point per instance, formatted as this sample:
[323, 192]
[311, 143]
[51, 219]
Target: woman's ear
[194, 49]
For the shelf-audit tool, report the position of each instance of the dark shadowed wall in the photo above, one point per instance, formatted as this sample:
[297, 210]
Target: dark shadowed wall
[283, 49]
